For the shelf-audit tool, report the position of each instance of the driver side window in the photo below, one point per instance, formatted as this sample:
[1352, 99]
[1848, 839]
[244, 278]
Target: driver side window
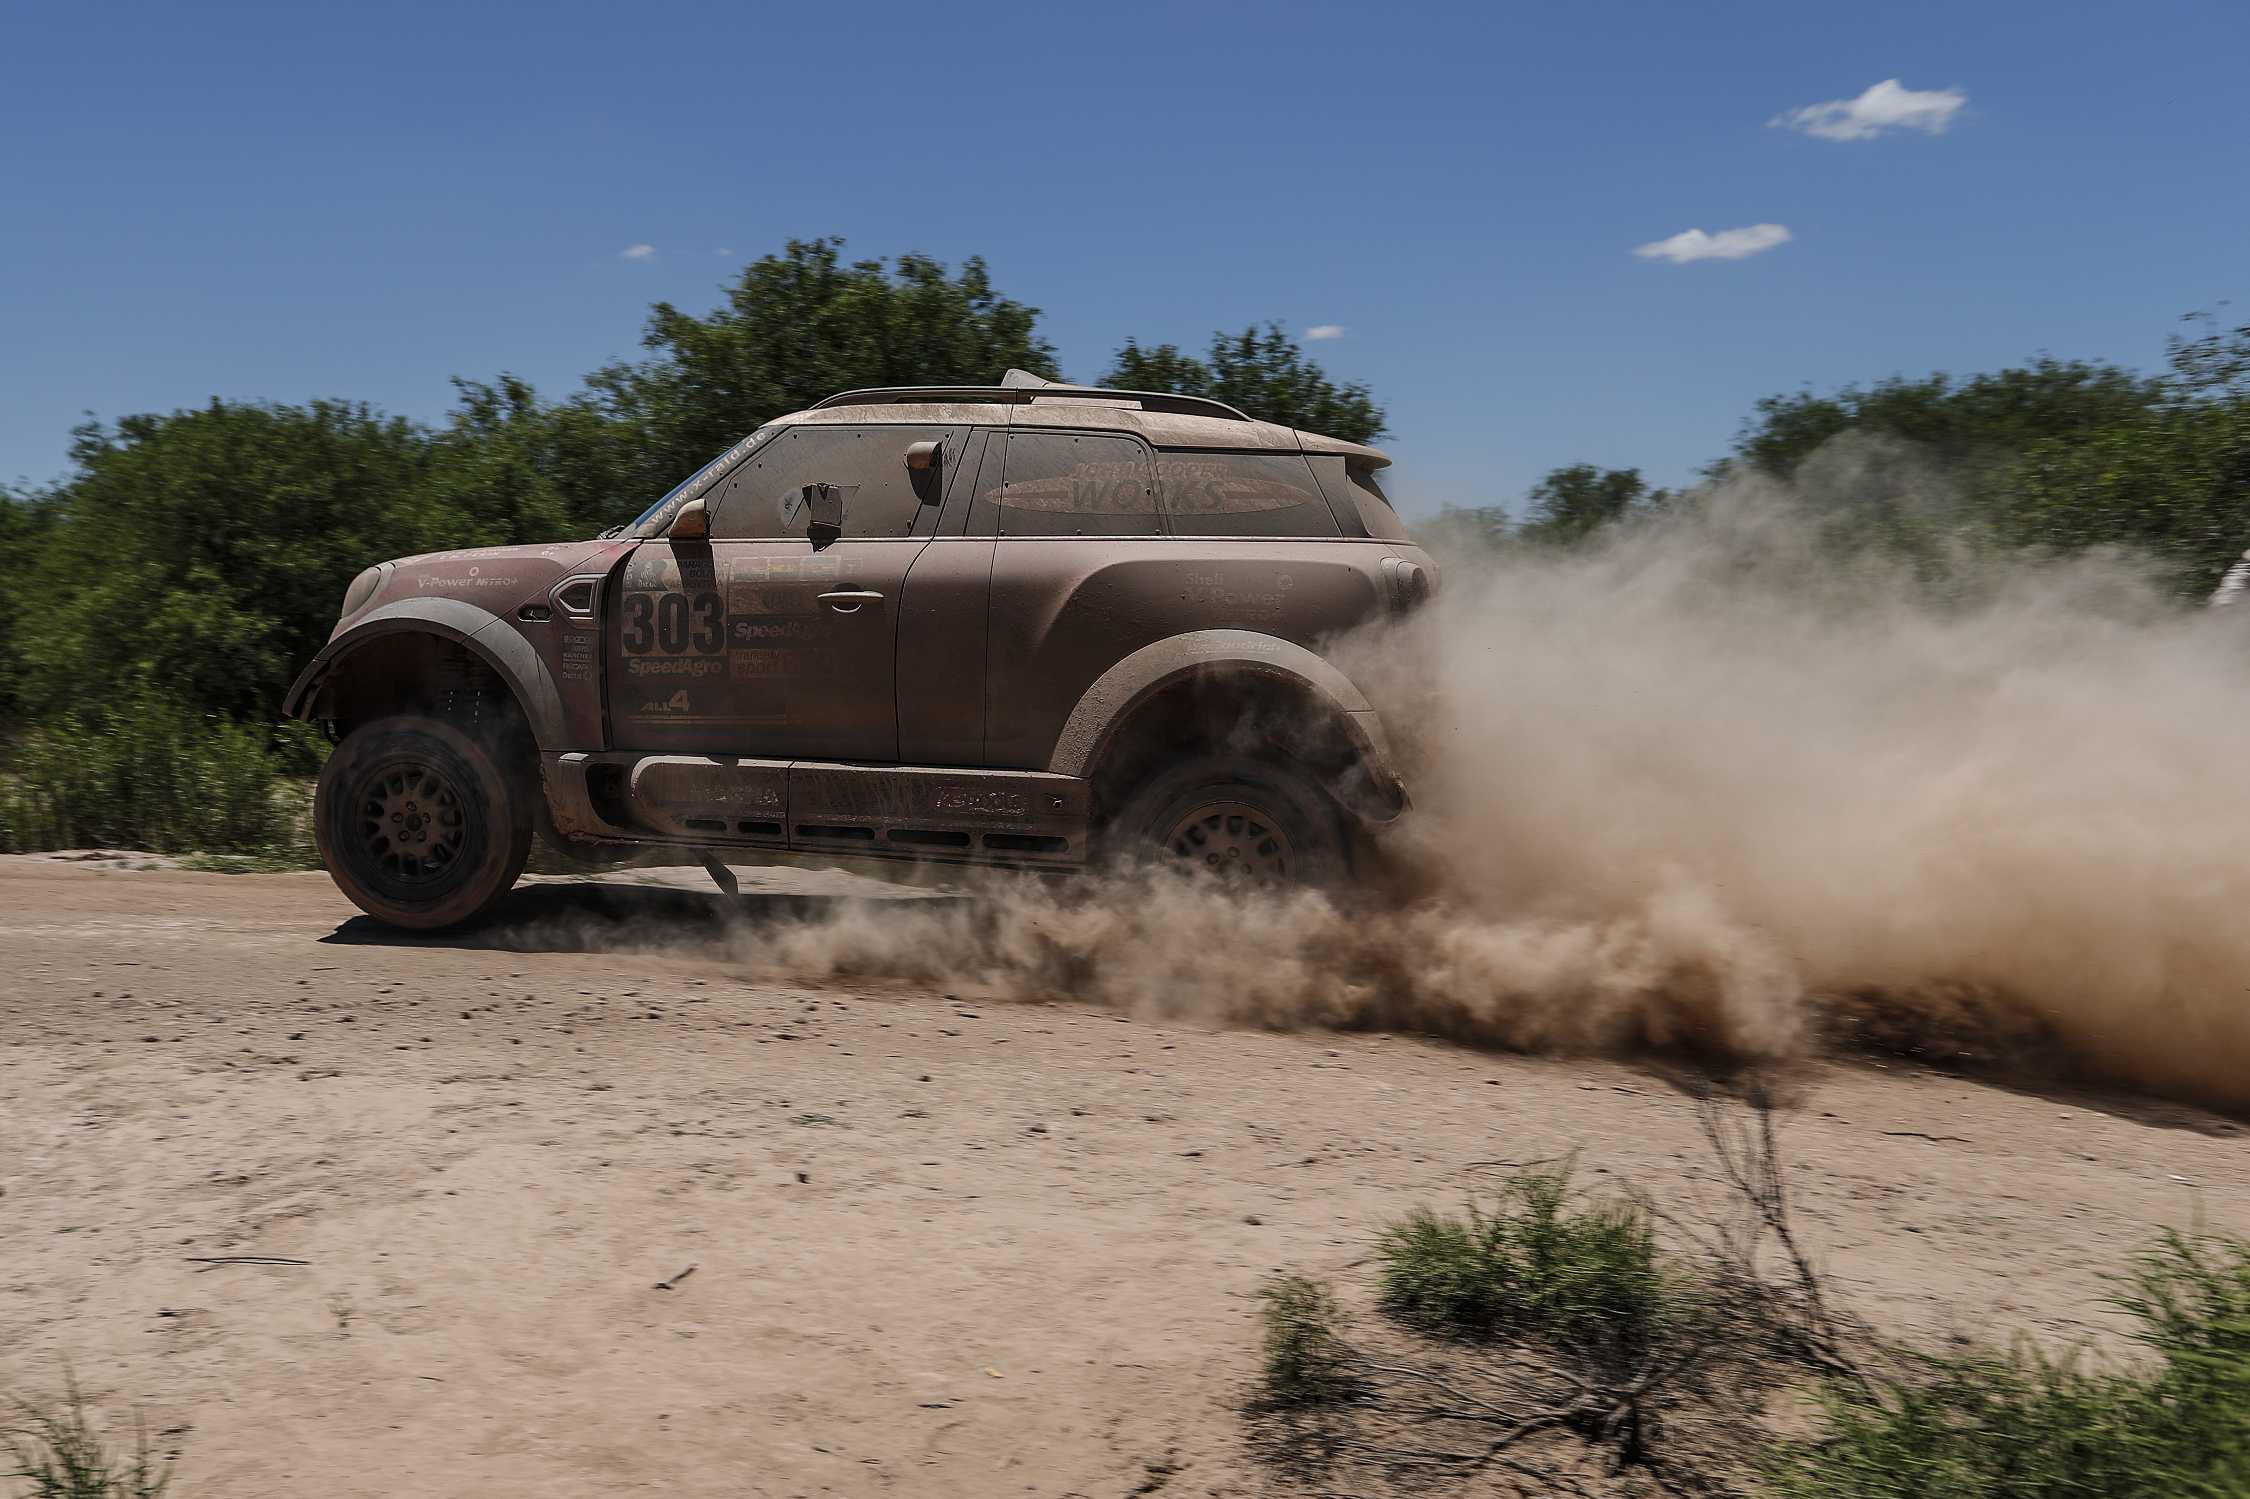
[759, 501]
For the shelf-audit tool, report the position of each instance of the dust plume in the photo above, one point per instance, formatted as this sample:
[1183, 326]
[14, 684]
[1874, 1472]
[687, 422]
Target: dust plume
[1705, 782]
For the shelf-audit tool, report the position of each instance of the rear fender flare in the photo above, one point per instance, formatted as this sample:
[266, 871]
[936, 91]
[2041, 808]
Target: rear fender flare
[483, 634]
[1109, 705]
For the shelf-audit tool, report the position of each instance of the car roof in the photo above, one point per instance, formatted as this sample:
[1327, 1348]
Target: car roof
[1159, 418]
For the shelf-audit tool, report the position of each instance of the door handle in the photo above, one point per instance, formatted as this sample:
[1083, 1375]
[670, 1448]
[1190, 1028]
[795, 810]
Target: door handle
[849, 600]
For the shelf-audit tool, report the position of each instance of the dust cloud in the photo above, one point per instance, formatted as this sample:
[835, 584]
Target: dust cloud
[1709, 785]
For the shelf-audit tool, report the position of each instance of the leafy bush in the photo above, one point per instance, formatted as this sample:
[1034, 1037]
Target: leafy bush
[1586, 1280]
[2022, 1426]
[2191, 1296]
[1305, 1359]
[1575, 1328]
[56, 1452]
[146, 773]
[2173, 485]
[1561, 1336]
[200, 556]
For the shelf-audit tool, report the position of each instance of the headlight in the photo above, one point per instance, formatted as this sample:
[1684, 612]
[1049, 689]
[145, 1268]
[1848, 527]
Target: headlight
[362, 589]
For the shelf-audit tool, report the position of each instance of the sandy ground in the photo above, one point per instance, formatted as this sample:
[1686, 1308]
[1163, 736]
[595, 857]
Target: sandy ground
[939, 1246]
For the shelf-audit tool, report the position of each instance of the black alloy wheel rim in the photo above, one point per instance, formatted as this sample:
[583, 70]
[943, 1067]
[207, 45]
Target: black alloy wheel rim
[410, 829]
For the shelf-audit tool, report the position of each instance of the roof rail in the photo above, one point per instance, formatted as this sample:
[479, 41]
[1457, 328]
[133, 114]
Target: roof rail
[1021, 389]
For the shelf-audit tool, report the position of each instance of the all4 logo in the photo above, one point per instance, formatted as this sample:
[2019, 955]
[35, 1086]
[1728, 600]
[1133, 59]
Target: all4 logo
[676, 703]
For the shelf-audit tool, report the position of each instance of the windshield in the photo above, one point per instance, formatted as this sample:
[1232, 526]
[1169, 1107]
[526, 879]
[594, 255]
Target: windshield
[654, 520]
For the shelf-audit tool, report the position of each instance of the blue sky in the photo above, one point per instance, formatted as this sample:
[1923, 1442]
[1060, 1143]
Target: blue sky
[301, 200]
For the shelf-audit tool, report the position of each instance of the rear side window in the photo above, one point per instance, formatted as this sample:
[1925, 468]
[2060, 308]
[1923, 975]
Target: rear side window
[1351, 488]
[883, 497]
[1242, 494]
[1066, 484]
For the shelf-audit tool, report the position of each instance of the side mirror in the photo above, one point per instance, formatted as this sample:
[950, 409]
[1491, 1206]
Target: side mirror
[925, 462]
[693, 523]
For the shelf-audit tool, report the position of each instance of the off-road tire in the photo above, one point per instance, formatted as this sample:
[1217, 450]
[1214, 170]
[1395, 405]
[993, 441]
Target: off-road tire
[1243, 820]
[422, 825]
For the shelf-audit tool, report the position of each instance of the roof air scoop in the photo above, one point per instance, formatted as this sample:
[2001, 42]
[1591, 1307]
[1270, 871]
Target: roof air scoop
[1026, 380]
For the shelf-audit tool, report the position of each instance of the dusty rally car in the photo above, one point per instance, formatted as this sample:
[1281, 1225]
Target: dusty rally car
[1026, 625]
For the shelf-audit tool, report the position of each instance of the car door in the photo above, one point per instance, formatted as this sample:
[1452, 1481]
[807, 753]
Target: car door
[763, 641]
[942, 626]
[1082, 576]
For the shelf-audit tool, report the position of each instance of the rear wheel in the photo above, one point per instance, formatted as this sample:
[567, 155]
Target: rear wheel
[1245, 822]
[420, 824]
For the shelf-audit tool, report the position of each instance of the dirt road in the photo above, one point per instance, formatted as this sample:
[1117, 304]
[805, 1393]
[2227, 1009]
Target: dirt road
[939, 1246]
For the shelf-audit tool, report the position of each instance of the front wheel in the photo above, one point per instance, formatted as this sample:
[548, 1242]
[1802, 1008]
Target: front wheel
[1245, 822]
[419, 823]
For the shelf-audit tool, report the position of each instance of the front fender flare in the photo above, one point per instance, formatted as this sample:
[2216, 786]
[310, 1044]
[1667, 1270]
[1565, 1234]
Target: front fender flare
[483, 634]
[1110, 703]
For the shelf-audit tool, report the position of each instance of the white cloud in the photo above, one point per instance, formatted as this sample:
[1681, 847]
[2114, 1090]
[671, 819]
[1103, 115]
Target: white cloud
[1325, 330]
[1885, 106]
[1727, 244]
[722, 250]
[637, 252]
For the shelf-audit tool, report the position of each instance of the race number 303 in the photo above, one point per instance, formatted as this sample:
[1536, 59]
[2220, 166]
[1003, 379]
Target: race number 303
[674, 624]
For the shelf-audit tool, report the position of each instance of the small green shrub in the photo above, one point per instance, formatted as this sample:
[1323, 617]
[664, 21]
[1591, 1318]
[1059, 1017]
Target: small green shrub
[1305, 1359]
[150, 774]
[2016, 1425]
[2022, 1426]
[2191, 1297]
[55, 1451]
[1586, 1280]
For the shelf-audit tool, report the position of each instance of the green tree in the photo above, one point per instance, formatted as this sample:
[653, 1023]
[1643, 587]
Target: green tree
[200, 556]
[794, 327]
[1263, 373]
[2214, 364]
[1572, 503]
[501, 463]
[2171, 481]
[1979, 422]
[1466, 530]
[24, 523]
[2057, 455]
[1163, 368]
[1565, 508]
